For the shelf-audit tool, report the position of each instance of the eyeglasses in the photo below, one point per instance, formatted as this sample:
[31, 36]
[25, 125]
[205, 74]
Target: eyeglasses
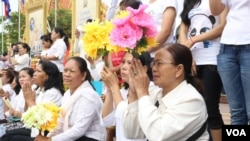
[157, 64]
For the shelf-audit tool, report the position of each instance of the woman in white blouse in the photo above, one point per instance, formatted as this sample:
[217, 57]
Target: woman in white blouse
[57, 51]
[81, 107]
[116, 101]
[49, 85]
[17, 102]
[6, 91]
[49, 88]
[22, 59]
[176, 112]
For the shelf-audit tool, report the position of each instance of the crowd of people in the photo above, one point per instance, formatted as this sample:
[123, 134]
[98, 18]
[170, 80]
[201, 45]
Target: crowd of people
[170, 92]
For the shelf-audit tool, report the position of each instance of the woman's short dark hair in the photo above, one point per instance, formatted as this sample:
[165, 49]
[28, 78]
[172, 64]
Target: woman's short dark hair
[54, 76]
[182, 55]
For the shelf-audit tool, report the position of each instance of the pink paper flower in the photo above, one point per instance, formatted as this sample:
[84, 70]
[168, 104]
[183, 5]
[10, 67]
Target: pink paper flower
[126, 35]
[133, 30]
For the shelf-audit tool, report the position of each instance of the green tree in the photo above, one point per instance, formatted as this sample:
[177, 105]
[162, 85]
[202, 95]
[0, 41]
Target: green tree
[63, 20]
[11, 30]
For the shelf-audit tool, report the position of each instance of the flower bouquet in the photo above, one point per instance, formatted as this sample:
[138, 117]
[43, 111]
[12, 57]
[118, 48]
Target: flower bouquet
[96, 39]
[42, 117]
[134, 30]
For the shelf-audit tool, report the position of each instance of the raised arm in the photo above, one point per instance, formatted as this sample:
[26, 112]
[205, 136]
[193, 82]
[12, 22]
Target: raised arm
[166, 27]
[216, 6]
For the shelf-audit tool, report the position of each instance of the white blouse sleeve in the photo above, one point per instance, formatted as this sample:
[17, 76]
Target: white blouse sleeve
[109, 120]
[132, 129]
[83, 115]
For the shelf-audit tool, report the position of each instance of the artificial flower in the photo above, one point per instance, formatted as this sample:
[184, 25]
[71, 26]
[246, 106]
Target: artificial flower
[42, 116]
[126, 36]
[96, 38]
[134, 30]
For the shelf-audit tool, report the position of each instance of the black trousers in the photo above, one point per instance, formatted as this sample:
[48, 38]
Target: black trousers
[84, 138]
[23, 134]
[213, 87]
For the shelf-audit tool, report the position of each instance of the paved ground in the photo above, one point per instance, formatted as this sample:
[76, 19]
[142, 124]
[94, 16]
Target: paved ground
[224, 109]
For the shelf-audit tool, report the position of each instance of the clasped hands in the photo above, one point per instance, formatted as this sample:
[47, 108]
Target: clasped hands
[137, 78]
[28, 93]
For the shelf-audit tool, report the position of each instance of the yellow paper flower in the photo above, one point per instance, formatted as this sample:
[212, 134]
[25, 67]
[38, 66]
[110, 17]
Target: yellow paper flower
[152, 42]
[96, 38]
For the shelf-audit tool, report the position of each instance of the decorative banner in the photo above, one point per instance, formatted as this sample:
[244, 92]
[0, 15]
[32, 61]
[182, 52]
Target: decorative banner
[86, 9]
[35, 13]
[35, 30]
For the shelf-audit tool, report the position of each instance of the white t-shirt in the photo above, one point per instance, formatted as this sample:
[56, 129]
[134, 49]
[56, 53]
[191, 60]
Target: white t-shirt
[237, 29]
[156, 10]
[22, 60]
[202, 21]
[58, 49]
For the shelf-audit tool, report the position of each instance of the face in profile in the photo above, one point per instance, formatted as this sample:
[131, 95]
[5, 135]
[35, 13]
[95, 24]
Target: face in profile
[54, 35]
[40, 77]
[164, 71]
